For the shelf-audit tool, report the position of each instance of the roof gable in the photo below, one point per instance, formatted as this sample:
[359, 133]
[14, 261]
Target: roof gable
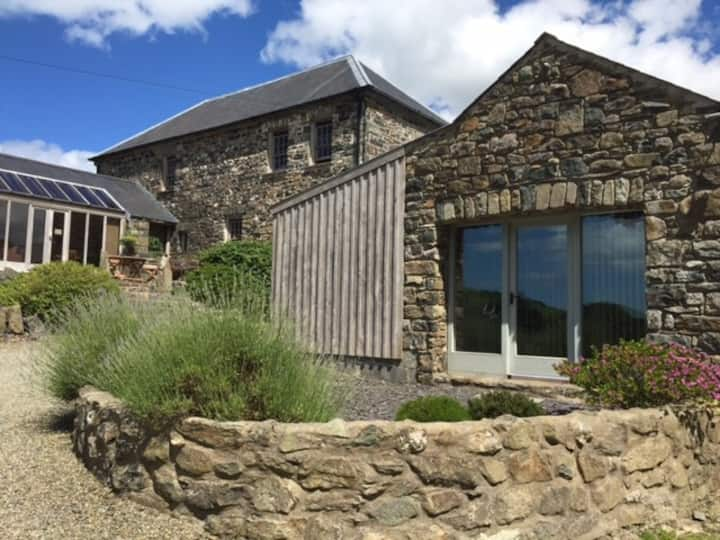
[644, 83]
[327, 80]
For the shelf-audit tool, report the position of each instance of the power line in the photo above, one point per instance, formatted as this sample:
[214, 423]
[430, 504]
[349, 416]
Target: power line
[103, 75]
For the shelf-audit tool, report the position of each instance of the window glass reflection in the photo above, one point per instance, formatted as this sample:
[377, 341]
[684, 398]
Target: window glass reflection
[613, 279]
[478, 302]
[542, 290]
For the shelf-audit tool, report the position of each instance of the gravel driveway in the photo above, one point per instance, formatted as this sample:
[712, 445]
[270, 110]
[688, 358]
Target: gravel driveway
[44, 491]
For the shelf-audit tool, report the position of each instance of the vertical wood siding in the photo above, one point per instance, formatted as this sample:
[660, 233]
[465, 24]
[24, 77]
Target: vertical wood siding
[338, 261]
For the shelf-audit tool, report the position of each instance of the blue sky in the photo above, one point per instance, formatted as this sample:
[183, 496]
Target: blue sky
[444, 57]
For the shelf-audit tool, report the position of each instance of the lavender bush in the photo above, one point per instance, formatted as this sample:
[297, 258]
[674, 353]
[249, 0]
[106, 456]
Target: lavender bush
[642, 374]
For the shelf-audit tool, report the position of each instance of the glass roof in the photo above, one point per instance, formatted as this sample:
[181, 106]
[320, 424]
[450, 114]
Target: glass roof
[57, 191]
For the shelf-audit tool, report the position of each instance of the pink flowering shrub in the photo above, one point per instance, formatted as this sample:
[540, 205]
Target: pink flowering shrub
[642, 374]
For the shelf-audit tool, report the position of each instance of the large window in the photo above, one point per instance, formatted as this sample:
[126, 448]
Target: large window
[17, 235]
[613, 279]
[529, 293]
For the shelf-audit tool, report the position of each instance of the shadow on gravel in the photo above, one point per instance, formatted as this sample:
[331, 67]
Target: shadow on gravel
[57, 420]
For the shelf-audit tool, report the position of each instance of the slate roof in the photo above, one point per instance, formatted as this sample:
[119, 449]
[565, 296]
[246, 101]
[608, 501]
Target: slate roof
[331, 79]
[138, 202]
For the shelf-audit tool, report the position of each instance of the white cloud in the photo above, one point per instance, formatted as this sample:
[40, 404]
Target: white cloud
[48, 152]
[93, 21]
[446, 53]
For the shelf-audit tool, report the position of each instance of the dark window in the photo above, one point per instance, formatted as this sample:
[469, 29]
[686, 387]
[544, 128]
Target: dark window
[77, 237]
[38, 236]
[280, 151]
[3, 221]
[234, 228]
[170, 172]
[323, 141]
[94, 239]
[17, 235]
[613, 279]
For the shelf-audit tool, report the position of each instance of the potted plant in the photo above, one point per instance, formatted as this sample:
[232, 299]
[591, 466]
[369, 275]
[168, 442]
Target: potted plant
[129, 245]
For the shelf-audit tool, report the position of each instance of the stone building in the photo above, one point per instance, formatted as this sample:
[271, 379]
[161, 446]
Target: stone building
[574, 203]
[221, 164]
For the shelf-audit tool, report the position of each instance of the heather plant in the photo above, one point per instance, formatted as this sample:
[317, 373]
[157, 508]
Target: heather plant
[494, 404]
[433, 409]
[643, 374]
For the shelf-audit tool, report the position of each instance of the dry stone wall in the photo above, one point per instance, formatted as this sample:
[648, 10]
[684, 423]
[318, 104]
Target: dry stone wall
[566, 132]
[578, 476]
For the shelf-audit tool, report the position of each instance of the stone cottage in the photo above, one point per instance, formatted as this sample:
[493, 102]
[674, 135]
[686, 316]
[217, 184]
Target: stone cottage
[576, 202]
[221, 164]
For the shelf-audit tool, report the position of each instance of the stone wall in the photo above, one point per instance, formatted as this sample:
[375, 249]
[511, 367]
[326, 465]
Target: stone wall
[386, 127]
[227, 172]
[576, 476]
[564, 131]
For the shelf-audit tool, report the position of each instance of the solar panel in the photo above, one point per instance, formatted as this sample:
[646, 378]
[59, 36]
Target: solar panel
[105, 198]
[33, 185]
[72, 193]
[56, 190]
[52, 188]
[14, 183]
[89, 196]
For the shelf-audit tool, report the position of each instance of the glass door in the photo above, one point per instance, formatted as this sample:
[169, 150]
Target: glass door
[541, 298]
[57, 236]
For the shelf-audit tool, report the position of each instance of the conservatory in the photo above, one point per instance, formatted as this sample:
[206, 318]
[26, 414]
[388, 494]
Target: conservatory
[50, 213]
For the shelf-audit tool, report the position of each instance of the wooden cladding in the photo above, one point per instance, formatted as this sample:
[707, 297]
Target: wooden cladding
[338, 261]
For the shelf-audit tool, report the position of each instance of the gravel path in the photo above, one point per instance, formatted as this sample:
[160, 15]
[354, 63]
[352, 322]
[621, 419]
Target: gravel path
[44, 491]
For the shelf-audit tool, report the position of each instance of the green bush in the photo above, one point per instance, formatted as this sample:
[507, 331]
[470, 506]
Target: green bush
[247, 256]
[433, 409]
[227, 270]
[53, 287]
[168, 359]
[155, 246]
[494, 404]
[642, 374]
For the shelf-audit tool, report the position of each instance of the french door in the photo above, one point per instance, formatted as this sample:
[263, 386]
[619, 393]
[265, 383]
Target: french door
[521, 291]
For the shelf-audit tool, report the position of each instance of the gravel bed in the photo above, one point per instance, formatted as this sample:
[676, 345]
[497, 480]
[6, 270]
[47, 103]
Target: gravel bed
[371, 398]
[45, 492]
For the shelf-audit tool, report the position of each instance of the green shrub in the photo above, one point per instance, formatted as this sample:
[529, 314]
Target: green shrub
[642, 374]
[433, 409]
[494, 404]
[225, 272]
[247, 256]
[155, 246]
[85, 333]
[55, 286]
[169, 359]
